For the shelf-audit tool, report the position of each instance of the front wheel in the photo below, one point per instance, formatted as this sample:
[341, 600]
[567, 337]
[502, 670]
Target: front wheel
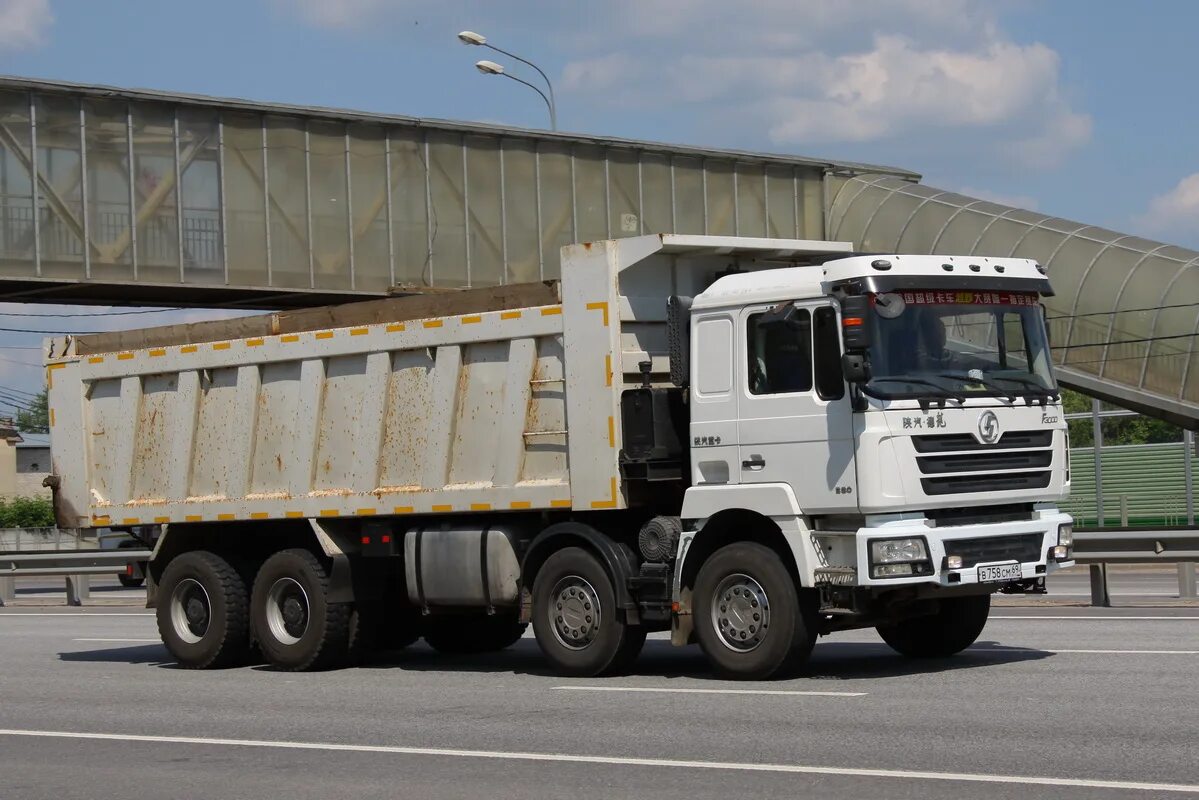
[954, 627]
[578, 626]
[749, 616]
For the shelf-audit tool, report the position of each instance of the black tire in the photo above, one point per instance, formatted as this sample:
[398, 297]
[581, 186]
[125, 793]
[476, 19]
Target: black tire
[603, 639]
[474, 633]
[762, 629]
[294, 624]
[634, 641]
[130, 581]
[375, 627]
[956, 625]
[202, 612]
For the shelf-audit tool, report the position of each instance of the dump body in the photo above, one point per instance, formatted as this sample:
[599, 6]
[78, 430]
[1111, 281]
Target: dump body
[447, 413]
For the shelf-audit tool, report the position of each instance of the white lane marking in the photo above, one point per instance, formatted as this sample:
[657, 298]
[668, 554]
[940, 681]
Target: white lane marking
[116, 640]
[739, 766]
[1064, 595]
[1086, 618]
[4, 614]
[672, 690]
[1085, 652]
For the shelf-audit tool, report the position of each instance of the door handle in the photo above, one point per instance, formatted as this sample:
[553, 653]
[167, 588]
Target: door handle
[755, 462]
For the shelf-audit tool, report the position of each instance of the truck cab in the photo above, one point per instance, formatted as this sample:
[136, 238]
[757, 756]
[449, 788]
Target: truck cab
[896, 416]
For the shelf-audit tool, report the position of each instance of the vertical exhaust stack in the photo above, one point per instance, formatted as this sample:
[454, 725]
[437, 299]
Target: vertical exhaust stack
[1125, 319]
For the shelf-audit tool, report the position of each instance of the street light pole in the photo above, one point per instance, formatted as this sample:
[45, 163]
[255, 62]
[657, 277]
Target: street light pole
[492, 68]
[479, 40]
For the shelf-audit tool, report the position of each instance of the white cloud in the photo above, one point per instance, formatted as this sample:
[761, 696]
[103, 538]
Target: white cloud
[23, 23]
[816, 72]
[1176, 211]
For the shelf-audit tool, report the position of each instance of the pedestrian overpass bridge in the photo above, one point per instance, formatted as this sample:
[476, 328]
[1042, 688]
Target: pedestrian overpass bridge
[139, 197]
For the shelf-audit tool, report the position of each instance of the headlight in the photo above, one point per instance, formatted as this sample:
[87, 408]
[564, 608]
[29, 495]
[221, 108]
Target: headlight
[897, 551]
[1065, 535]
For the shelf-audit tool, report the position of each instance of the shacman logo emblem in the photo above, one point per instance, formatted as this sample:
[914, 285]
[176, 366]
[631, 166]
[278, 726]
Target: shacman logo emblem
[988, 427]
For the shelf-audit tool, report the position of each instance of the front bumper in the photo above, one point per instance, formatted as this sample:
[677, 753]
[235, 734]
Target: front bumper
[1045, 523]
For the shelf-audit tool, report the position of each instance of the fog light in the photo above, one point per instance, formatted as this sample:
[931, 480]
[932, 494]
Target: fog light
[953, 562]
[1061, 553]
[892, 570]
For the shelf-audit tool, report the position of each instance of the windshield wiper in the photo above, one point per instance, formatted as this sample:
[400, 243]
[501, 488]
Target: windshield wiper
[949, 393]
[1037, 389]
[967, 378]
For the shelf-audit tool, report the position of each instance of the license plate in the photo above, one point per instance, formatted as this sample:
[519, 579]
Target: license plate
[999, 572]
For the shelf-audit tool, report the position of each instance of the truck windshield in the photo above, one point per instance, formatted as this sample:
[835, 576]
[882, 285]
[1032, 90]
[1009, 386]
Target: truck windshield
[959, 344]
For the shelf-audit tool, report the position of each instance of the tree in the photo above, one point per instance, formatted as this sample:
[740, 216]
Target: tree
[35, 418]
[1116, 430]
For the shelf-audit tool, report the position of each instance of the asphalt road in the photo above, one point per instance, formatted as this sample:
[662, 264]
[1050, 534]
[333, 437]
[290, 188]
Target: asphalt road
[1051, 703]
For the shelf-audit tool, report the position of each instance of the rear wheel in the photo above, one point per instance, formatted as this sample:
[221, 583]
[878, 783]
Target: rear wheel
[202, 612]
[295, 625]
[578, 626]
[956, 625]
[474, 633]
[749, 618]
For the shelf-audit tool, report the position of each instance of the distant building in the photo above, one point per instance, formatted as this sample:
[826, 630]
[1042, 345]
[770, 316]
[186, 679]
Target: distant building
[9, 439]
[33, 453]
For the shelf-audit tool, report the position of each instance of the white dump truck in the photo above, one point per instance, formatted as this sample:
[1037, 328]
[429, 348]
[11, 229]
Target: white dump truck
[747, 442]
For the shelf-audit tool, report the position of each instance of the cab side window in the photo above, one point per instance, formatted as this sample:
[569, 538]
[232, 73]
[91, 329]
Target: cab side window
[780, 354]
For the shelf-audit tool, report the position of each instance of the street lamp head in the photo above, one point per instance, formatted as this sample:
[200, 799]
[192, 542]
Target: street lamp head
[489, 68]
[470, 37]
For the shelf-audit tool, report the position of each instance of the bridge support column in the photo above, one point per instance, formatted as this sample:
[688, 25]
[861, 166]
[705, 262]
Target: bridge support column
[8, 591]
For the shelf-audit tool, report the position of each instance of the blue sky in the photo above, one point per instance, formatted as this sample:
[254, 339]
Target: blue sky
[1079, 108]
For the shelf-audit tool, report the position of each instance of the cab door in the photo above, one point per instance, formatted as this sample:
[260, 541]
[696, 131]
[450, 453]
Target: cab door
[794, 412]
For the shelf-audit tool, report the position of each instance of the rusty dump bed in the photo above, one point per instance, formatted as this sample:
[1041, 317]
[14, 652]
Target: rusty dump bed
[439, 303]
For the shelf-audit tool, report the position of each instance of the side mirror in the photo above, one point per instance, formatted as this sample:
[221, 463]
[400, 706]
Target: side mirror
[855, 367]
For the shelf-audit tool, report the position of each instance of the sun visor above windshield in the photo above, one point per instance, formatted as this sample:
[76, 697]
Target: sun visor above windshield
[878, 284]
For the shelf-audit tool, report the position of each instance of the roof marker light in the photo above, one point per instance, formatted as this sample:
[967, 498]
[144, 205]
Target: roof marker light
[881, 264]
[999, 268]
[947, 267]
[975, 268]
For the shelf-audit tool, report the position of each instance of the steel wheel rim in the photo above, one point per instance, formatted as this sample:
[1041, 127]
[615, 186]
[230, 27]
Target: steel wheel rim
[740, 612]
[191, 610]
[574, 612]
[287, 611]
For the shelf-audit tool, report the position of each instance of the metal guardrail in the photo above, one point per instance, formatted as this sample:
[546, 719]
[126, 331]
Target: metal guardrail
[38, 552]
[1099, 547]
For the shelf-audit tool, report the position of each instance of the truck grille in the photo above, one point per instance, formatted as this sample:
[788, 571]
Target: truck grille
[1021, 547]
[961, 464]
